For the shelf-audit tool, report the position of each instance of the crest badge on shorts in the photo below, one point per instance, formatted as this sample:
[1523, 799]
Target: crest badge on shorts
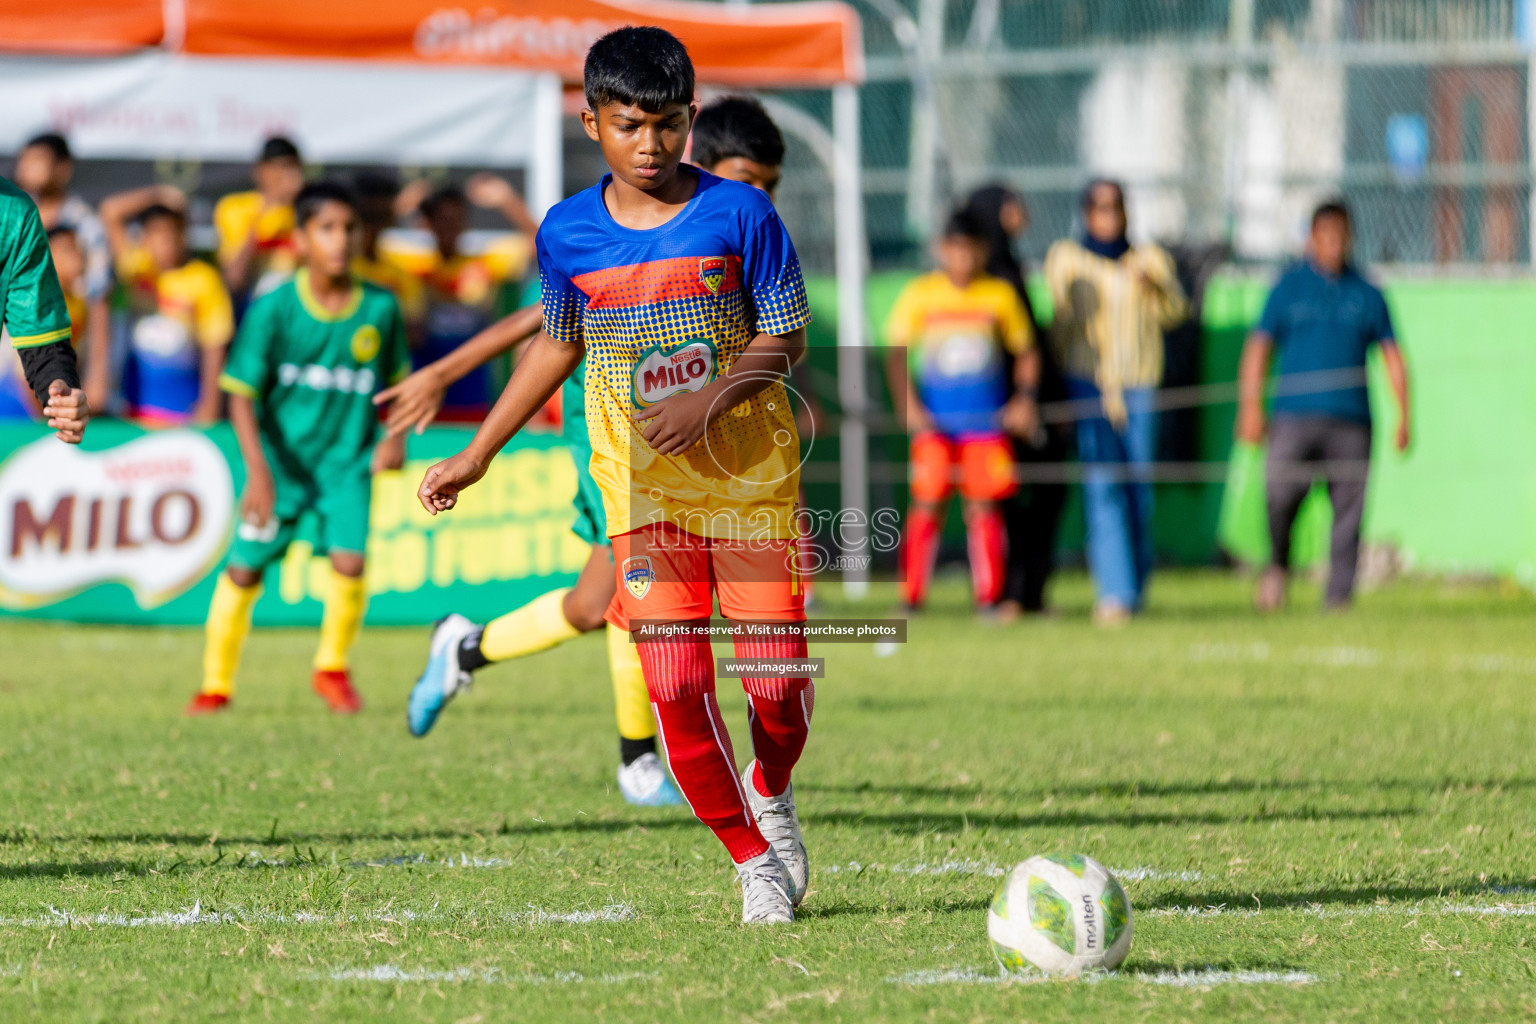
[712, 273]
[638, 575]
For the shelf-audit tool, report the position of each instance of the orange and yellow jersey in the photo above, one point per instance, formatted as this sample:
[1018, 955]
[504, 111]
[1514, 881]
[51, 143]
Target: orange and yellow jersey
[405, 286]
[79, 314]
[959, 342]
[663, 312]
[173, 316]
[239, 215]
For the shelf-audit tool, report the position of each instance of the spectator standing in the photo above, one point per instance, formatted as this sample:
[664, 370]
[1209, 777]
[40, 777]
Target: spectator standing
[45, 169]
[376, 196]
[179, 316]
[1033, 515]
[255, 228]
[1323, 317]
[957, 335]
[1112, 303]
[465, 291]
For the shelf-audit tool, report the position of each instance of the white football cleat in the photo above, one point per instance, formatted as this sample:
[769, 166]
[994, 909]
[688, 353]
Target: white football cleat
[644, 782]
[765, 890]
[443, 677]
[776, 819]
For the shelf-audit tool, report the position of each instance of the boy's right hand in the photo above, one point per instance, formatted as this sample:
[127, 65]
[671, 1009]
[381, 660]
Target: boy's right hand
[413, 403]
[439, 490]
[260, 497]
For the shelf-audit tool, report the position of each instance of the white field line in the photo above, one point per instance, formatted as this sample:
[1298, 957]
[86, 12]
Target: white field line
[1342, 656]
[486, 976]
[55, 918]
[970, 866]
[256, 859]
[1419, 909]
[1178, 979]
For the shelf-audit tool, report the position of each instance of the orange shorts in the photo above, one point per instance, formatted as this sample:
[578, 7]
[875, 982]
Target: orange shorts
[985, 461]
[667, 575]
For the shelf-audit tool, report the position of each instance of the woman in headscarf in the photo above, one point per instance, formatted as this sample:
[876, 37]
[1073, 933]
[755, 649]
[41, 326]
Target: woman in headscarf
[1033, 515]
[1112, 301]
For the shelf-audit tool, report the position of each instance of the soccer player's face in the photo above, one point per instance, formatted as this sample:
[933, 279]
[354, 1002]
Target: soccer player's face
[281, 179]
[330, 240]
[1330, 243]
[38, 171]
[641, 148]
[739, 168]
[961, 258]
[165, 242]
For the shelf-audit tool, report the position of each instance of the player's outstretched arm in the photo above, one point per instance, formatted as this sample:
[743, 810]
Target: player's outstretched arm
[675, 424]
[539, 374]
[414, 402]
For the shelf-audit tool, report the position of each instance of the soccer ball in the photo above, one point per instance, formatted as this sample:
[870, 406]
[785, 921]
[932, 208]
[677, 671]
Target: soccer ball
[1064, 913]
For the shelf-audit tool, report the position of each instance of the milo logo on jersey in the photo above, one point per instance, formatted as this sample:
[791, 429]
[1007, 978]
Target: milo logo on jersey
[667, 370]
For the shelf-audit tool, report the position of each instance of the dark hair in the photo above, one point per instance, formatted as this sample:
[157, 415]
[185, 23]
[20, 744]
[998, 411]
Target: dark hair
[736, 126]
[61, 230]
[315, 195]
[375, 185]
[1086, 199]
[156, 211]
[646, 67]
[278, 147]
[964, 223]
[55, 143]
[440, 197]
[1331, 208]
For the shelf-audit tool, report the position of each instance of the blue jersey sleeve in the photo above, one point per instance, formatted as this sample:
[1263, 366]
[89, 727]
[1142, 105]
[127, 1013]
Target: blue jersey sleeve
[1272, 320]
[563, 301]
[771, 273]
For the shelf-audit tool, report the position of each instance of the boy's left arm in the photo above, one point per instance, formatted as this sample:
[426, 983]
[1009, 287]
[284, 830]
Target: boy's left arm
[389, 452]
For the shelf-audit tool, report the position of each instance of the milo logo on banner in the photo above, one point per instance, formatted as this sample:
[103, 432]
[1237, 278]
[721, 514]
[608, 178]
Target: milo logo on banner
[153, 514]
[669, 370]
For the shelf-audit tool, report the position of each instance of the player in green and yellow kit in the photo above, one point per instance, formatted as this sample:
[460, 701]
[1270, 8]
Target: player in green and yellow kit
[34, 318]
[301, 377]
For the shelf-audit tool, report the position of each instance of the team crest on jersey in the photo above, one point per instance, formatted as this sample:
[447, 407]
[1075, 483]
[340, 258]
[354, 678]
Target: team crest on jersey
[638, 575]
[365, 343]
[667, 370]
[712, 273]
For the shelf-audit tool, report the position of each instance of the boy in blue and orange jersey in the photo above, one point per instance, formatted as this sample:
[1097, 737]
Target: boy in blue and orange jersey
[684, 293]
[954, 334]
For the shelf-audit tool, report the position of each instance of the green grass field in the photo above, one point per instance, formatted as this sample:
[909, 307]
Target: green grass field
[1317, 818]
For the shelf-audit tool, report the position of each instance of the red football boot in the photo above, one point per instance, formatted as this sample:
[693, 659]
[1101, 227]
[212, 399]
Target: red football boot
[335, 687]
[208, 704]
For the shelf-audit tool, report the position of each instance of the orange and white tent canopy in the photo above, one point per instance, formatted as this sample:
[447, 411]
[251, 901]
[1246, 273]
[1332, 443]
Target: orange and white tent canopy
[811, 44]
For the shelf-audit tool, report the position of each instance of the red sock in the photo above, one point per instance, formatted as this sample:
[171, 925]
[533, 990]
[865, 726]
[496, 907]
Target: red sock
[920, 549]
[681, 678]
[779, 711]
[986, 539]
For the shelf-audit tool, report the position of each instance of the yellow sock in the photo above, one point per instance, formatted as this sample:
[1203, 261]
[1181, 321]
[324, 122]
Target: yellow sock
[631, 702]
[536, 626]
[229, 622]
[345, 601]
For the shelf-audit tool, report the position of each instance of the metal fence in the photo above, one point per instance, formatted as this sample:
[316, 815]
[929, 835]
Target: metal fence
[1227, 119]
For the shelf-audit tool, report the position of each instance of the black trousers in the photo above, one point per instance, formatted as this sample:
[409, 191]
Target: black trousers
[1031, 518]
[1300, 449]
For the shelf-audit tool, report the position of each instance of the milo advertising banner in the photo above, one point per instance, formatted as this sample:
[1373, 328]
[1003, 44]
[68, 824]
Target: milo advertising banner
[133, 527]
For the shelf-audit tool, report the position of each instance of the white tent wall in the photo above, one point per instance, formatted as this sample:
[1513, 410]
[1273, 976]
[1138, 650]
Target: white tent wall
[157, 105]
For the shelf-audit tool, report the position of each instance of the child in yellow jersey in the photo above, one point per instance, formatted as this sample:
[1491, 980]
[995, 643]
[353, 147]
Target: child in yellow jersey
[954, 333]
[256, 246]
[179, 320]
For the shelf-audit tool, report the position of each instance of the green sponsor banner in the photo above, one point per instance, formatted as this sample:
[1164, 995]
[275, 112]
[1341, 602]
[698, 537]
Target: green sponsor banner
[133, 527]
